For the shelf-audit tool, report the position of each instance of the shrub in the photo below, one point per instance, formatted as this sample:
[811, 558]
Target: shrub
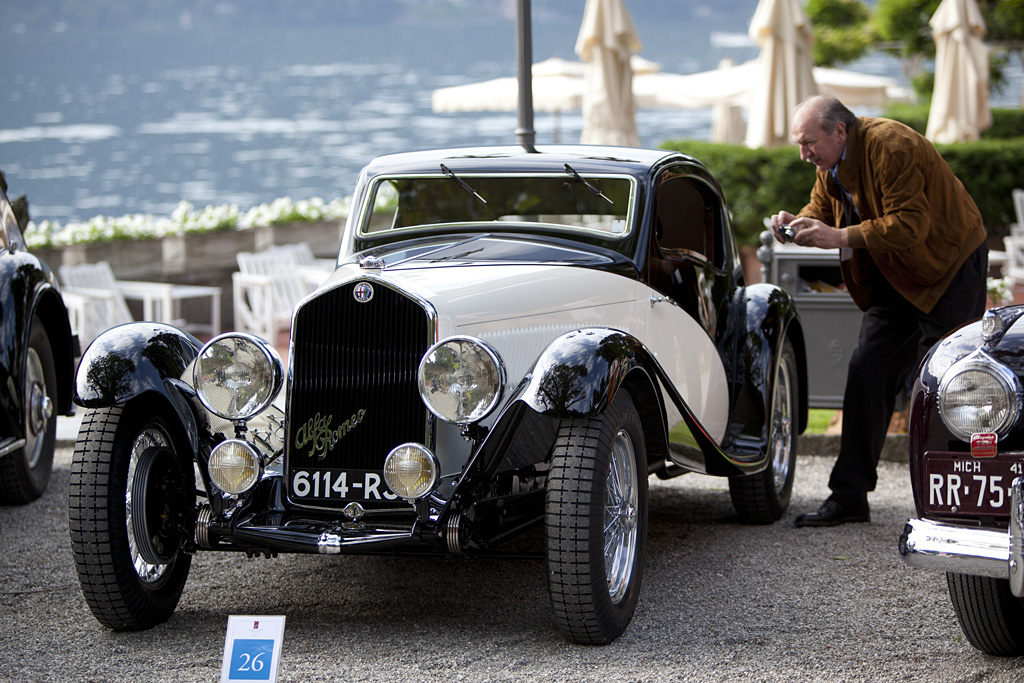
[759, 182]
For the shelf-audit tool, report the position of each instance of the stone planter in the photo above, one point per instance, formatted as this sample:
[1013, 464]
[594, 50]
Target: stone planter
[206, 258]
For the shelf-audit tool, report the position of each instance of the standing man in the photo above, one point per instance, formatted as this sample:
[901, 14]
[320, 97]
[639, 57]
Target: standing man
[913, 257]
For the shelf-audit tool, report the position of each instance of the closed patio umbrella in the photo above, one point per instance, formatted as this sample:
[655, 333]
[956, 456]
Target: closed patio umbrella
[783, 31]
[959, 108]
[606, 41]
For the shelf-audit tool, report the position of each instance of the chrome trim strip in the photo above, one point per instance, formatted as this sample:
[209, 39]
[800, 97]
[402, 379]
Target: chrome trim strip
[1017, 537]
[331, 543]
[11, 446]
[949, 548]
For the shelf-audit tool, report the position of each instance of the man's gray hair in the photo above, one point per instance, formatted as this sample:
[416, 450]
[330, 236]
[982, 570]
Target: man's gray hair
[830, 112]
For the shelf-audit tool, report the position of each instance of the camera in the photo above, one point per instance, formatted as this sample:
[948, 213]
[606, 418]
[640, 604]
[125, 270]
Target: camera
[787, 232]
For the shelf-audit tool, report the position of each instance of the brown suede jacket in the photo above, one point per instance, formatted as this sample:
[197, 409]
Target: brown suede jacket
[918, 225]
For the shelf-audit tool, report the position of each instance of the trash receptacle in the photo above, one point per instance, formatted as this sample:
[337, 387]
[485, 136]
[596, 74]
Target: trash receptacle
[830, 318]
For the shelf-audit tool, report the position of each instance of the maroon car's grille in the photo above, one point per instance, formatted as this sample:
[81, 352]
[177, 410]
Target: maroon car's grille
[353, 391]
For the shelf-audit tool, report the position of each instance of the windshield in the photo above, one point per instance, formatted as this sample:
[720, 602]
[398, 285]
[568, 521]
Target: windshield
[595, 204]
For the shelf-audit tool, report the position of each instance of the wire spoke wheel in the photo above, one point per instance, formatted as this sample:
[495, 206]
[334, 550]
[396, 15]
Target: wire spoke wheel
[596, 522]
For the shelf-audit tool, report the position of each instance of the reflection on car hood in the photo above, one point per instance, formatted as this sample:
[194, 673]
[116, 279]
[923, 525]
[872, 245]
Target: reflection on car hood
[490, 249]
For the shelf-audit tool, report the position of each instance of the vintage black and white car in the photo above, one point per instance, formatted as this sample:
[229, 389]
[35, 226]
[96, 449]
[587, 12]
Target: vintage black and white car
[511, 340]
[37, 356]
[967, 472]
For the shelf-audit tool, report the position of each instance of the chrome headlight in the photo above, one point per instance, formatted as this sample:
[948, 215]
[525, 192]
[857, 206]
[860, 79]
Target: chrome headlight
[978, 395]
[461, 380]
[234, 466]
[237, 375]
[411, 471]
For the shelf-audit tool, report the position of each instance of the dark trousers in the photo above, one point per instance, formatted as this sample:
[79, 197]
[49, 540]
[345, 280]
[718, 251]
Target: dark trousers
[894, 336]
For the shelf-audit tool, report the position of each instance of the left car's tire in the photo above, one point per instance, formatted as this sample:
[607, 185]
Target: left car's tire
[25, 473]
[762, 498]
[989, 614]
[129, 553]
[596, 523]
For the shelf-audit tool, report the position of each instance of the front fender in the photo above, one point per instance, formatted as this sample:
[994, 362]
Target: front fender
[129, 360]
[577, 374]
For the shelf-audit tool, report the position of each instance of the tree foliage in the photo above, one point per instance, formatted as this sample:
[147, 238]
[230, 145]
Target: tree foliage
[842, 31]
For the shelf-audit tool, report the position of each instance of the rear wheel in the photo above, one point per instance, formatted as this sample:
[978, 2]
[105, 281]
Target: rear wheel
[989, 614]
[25, 473]
[596, 523]
[762, 498]
[131, 511]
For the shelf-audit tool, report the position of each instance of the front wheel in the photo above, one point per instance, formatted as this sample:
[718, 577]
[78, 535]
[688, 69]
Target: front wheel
[25, 473]
[762, 498]
[989, 614]
[131, 512]
[596, 523]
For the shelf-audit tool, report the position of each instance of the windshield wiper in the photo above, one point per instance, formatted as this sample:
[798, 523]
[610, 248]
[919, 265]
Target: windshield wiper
[462, 183]
[572, 171]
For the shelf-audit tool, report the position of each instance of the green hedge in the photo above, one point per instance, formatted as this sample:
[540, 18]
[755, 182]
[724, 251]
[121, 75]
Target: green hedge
[1006, 123]
[760, 182]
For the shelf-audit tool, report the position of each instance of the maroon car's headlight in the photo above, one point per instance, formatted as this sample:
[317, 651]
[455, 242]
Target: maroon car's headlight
[979, 395]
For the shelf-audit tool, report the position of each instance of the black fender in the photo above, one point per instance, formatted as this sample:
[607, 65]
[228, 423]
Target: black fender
[761, 318]
[130, 360]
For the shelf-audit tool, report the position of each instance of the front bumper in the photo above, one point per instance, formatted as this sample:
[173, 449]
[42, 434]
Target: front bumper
[970, 550]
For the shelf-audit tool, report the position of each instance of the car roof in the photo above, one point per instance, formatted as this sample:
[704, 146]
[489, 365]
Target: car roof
[513, 158]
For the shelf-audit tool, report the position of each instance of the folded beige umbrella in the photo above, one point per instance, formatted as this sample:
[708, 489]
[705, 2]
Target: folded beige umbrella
[783, 31]
[959, 110]
[606, 41]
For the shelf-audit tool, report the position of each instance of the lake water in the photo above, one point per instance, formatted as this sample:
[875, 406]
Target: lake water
[111, 124]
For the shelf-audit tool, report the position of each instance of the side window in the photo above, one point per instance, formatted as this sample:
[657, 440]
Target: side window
[688, 217]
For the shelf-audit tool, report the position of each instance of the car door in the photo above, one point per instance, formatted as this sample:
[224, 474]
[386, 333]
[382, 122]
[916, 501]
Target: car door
[685, 278]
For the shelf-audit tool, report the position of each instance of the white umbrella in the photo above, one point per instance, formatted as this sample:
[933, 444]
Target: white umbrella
[783, 31]
[735, 86]
[606, 41]
[959, 108]
[557, 86]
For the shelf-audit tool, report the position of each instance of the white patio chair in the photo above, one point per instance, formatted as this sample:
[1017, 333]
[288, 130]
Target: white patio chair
[100, 299]
[269, 284]
[1017, 229]
[1014, 270]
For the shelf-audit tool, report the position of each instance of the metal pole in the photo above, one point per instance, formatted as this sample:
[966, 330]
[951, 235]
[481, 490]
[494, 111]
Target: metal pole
[525, 134]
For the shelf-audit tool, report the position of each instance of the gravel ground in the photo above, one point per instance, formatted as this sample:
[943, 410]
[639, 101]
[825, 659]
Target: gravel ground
[720, 602]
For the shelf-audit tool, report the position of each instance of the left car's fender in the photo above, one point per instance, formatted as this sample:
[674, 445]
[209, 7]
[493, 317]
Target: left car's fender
[129, 360]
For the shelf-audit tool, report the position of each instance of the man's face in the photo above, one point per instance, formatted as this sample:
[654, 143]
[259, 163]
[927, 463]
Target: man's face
[821, 148]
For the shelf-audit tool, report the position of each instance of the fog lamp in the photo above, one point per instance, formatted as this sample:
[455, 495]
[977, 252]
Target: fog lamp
[235, 466]
[411, 471]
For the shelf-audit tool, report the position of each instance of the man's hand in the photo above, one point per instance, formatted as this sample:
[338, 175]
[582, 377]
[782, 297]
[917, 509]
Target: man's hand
[808, 232]
[813, 233]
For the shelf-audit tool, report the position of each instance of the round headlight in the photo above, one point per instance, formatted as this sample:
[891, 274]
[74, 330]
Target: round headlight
[461, 380]
[978, 396]
[411, 471]
[234, 467]
[237, 376]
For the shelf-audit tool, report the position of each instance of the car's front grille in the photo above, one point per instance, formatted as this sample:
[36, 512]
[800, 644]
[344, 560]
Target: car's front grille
[353, 392]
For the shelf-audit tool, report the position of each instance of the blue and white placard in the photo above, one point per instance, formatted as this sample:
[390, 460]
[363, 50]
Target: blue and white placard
[252, 648]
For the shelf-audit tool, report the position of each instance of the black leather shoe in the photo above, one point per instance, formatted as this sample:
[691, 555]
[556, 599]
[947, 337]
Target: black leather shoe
[833, 513]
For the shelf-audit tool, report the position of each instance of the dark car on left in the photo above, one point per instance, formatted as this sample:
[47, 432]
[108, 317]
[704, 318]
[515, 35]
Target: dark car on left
[36, 361]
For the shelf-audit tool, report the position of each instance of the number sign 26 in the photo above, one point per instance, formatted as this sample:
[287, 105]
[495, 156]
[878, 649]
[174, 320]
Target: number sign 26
[252, 649]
